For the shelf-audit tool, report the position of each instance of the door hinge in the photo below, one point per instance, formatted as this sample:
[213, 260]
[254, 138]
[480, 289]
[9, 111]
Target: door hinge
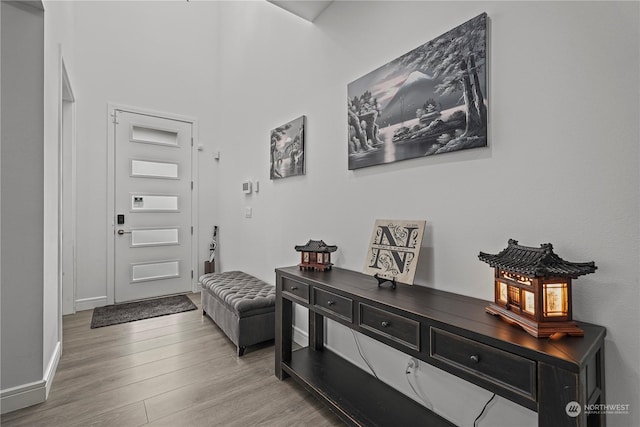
[192, 185]
[192, 274]
[192, 141]
[192, 230]
[114, 115]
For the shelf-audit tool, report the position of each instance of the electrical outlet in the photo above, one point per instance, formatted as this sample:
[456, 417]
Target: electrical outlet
[413, 364]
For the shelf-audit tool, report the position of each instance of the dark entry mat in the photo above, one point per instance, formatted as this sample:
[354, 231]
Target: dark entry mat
[132, 311]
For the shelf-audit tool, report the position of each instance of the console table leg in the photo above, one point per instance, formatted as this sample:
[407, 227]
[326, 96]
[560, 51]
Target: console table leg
[316, 331]
[557, 389]
[283, 334]
[602, 419]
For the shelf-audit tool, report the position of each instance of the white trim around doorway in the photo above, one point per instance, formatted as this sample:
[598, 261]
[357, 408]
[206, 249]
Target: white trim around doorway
[110, 227]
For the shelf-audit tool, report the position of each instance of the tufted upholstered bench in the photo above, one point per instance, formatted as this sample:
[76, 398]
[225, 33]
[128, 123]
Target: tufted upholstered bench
[241, 305]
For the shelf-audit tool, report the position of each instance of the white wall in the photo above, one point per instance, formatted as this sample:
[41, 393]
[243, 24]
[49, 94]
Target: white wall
[31, 322]
[159, 56]
[58, 24]
[561, 166]
[22, 203]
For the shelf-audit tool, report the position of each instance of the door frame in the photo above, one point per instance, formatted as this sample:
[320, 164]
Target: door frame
[111, 214]
[67, 187]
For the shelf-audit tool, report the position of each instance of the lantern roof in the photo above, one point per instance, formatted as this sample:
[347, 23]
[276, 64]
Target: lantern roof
[316, 246]
[536, 262]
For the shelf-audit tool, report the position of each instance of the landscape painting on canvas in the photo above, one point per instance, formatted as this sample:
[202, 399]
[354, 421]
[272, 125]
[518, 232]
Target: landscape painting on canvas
[287, 149]
[429, 101]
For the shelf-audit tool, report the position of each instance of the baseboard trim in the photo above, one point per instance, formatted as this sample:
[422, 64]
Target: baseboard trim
[33, 393]
[22, 396]
[90, 303]
[300, 336]
[52, 367]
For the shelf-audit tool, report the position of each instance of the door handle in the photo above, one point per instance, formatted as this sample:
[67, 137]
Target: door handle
[121, 232]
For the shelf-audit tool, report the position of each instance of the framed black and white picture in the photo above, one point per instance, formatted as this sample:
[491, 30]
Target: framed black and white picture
[287, 149]
[429, 101]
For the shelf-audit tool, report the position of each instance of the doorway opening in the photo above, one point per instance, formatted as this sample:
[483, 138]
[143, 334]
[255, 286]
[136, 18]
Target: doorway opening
[152, 204]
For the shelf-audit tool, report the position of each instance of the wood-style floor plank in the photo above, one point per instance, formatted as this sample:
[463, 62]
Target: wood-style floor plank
[133, 415]
[177, 370]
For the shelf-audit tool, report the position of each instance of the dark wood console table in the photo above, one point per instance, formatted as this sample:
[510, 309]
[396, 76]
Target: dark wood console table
[452, 332]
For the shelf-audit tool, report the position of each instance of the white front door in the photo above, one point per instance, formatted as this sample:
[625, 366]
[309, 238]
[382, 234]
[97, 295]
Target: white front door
[153, 190]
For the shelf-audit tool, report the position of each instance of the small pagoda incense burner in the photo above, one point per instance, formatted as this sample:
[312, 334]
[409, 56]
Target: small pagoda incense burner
[315, 255]
[533, 288]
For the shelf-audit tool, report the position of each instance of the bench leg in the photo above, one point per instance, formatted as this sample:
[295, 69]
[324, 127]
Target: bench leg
[241, 351]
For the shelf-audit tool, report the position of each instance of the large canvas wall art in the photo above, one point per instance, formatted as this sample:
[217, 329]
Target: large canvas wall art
[287, 149]
[431, 100]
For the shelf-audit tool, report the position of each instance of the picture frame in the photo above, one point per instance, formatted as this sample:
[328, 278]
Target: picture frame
[429, 101]
[394, 249]
[287, 149]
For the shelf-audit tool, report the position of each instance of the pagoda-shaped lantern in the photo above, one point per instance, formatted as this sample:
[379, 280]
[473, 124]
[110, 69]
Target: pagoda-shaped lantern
[315, 255]
[533, 288]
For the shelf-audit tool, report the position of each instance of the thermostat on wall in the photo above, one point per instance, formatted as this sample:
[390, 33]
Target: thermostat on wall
[246, 187]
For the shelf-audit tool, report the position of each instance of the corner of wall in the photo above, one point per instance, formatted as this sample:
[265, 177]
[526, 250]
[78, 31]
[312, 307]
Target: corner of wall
[33, 393]
[22, 396]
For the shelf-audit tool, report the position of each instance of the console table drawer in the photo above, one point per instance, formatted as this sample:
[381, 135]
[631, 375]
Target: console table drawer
[296, 289]
[505, 369]
[400, 329]
[335, 304]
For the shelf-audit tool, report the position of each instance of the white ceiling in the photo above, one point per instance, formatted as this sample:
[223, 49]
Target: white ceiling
[306, 9]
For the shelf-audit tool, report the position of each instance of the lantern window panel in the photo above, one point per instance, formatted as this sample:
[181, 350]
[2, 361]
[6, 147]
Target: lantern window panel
[555, 300]
[529, 302]
[503, 294]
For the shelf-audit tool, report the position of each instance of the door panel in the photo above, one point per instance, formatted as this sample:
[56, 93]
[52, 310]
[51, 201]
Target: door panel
[153, 192]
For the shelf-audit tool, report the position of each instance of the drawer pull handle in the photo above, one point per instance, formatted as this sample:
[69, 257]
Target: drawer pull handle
[330, 302]
[474, 358]
[294, 288]
[385, 324]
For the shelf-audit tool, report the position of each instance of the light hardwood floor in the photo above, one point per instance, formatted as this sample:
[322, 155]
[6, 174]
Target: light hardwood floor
[177, 370]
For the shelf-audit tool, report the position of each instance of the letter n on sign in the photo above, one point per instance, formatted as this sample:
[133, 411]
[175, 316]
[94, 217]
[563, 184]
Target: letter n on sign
[394, 249]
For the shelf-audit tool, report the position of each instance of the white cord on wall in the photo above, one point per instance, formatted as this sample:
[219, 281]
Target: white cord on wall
[355, 337]
[411, 369]
[408, 370]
